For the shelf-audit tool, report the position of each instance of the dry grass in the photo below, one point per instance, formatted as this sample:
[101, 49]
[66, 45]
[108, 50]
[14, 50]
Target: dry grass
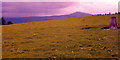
[63, 38]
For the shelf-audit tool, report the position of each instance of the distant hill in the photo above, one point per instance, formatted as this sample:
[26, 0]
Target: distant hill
[43, 18]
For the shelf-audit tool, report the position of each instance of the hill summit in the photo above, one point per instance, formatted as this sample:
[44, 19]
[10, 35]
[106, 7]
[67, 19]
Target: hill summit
[44, 18]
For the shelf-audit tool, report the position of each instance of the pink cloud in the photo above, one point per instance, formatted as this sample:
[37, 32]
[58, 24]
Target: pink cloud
[20, 9]
[33, 8]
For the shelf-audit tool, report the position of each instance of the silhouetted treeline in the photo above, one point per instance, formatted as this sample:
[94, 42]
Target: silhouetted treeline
[4, 22]
[107, 14]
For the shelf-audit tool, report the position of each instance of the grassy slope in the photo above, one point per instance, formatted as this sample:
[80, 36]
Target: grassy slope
[61, 38]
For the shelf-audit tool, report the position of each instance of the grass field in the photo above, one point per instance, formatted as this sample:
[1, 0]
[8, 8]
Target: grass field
[80, 37]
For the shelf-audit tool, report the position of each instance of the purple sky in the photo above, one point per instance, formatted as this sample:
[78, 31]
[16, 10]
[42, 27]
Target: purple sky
[24, 9]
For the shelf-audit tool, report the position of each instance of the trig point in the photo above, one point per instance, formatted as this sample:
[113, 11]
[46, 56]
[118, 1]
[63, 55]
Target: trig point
[113, 23]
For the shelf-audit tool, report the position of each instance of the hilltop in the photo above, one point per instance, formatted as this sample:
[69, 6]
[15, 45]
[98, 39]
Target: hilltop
[62, 38]
[45, 18]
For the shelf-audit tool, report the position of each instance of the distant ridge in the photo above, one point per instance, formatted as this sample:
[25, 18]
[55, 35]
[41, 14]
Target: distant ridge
[44, 18]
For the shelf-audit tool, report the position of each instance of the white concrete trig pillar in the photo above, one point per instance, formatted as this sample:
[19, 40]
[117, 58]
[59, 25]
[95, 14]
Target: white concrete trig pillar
[113, 23]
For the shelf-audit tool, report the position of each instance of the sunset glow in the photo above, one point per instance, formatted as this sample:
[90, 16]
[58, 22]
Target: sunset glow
[52, 7]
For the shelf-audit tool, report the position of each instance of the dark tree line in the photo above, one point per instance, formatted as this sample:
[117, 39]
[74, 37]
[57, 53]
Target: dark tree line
[107, 14]
[117, 12]
[4, 22]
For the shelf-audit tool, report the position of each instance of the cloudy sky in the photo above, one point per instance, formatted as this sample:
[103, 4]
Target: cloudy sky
[25, 8]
